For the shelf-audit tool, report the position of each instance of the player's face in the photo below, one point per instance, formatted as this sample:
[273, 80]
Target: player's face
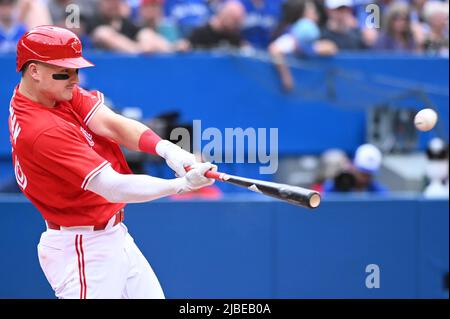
[56, 82]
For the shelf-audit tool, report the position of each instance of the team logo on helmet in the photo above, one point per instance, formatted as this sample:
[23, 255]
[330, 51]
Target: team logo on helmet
[76, 46]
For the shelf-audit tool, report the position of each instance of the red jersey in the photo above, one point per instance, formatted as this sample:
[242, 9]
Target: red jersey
[55, 155]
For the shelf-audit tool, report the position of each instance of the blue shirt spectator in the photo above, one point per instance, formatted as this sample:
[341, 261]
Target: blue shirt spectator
[10, 29]
[361, 178]
[261, 19]
[188, 14]
[9, 37]
[300, 38]
[134, 10]
[341, 26]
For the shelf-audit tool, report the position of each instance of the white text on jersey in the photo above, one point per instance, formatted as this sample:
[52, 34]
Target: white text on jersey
[87, 136]
[15, 127]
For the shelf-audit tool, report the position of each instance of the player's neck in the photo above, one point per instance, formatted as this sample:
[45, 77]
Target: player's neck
[26, 90]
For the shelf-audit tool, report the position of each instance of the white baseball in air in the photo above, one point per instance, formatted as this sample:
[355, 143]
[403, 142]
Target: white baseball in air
[425, 119]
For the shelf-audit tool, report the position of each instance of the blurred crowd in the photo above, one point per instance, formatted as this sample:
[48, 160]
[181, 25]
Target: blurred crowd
[338, 173]
[280, 27]
[307, 27]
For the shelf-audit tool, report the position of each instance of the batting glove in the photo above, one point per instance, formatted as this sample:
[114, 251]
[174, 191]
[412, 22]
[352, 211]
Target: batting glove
[176, 158]
[195, 178]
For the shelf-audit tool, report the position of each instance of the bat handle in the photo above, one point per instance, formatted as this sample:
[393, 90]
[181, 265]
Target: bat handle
[210, 174]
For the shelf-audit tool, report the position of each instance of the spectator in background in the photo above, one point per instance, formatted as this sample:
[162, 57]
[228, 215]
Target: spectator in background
[437, 169]
[361, 176]
[57, 9]
[151, 15]
[369, 26]
[419, 24]
[342, 26]
[62, 15]
[291, 11]
[367, 22]
[302, 38]
[111, 29]
[10, 29]
[33, 13]
[332, 162]
[133, 6]
[188, 14]
[436, 39]
[417, 10]
[397, 32]
[222, 30]
[260, 21]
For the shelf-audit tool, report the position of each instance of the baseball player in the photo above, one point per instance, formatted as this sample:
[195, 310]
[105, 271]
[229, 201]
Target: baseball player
[68, 163]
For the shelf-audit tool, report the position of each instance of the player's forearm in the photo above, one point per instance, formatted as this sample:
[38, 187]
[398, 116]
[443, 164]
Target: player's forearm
[129, 132]
[120, 188]
[132, 134]
[138, 137]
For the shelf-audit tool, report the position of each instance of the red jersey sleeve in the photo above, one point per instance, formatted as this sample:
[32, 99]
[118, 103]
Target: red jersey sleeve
[86, 103]
[62, 152]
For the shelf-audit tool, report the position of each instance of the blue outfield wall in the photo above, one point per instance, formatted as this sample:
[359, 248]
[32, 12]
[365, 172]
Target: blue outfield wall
[256, 248]
[327, 109]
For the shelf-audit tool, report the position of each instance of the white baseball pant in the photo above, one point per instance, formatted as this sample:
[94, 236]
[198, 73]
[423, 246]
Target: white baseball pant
[82, 263]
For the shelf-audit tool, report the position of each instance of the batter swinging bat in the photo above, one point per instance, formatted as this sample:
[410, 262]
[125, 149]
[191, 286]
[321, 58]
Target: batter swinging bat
[292, 194]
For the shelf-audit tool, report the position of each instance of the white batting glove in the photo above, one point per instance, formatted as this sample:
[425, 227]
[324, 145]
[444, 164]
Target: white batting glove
[195, 178]
[176, 158]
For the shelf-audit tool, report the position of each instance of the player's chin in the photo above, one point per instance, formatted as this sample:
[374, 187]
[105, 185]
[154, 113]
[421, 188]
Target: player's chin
[67, 94]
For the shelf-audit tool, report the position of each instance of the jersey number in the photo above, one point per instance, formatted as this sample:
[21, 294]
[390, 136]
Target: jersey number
[20, 176]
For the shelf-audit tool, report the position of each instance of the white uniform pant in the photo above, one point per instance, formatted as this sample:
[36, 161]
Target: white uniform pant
[104, 264]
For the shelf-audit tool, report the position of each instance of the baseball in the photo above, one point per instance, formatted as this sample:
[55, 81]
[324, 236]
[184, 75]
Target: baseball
[425, 119]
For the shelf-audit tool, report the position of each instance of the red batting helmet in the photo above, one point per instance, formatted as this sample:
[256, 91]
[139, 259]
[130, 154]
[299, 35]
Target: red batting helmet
[52, 45]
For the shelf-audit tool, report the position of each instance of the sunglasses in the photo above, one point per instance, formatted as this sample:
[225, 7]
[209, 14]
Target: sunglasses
[62, 76]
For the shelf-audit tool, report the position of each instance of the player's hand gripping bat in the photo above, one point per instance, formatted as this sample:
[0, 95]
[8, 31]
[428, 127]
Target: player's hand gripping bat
[292, 194]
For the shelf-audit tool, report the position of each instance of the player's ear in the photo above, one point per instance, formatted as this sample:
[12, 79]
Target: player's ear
[33, 71]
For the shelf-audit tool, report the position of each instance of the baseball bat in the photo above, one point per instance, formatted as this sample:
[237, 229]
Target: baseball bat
[293, 194]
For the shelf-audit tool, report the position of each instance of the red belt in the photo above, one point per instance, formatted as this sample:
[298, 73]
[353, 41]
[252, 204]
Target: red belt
[118, 218]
